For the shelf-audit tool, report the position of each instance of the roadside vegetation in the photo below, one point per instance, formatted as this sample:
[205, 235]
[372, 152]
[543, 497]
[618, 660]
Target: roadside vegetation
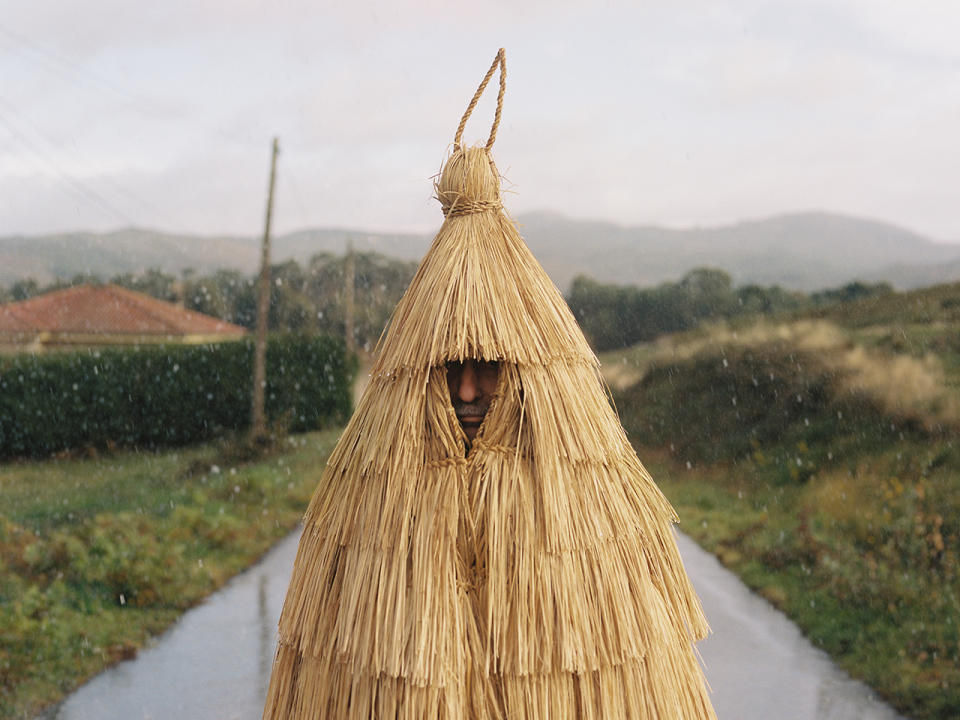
[97, 554]
[817, 454]
[106, 534]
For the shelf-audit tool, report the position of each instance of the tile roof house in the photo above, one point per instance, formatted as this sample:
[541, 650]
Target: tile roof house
[88, 315]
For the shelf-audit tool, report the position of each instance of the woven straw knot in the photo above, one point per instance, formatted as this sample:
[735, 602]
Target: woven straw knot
[469, 183]
[470, 208]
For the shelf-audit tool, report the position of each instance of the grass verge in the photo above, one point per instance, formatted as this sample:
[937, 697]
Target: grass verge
[836, 500]
[98, 554]
[838, 569]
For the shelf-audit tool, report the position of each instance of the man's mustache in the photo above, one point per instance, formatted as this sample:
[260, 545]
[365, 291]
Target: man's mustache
[465, 410]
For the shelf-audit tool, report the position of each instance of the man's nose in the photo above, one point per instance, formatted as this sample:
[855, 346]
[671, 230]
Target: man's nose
[468, 383]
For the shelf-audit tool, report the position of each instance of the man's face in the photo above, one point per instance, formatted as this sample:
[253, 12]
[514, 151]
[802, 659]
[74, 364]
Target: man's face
[472, 384]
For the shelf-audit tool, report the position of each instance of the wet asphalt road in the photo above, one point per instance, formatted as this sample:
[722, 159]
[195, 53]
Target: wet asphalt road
[214, 664]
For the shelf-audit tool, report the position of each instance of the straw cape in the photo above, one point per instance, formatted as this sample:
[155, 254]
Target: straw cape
[534, 575]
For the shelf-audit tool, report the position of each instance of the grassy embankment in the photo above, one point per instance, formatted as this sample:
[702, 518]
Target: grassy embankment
[819, 458]
[97, 555]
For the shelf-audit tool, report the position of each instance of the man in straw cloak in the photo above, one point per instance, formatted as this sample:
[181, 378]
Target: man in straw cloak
[526, 569]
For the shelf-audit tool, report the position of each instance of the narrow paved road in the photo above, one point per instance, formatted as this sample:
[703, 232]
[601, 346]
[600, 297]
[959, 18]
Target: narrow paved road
[759, 665]
[215, 663]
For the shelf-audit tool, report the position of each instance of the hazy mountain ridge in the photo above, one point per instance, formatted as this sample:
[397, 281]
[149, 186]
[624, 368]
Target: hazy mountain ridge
[804, 251]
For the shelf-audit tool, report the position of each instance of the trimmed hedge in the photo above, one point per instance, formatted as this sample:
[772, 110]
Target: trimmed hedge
[166, 395]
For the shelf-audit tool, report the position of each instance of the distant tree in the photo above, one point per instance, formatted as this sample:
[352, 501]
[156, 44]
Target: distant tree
[24, 289]
[672, 309]
[615, 316]
[308, 299]
[753, 299]
[226, 294]
[599, 308]
[379, 283]
[87, 277]
[708, 293]
[850, 292]
[153, 282]
[290, 307]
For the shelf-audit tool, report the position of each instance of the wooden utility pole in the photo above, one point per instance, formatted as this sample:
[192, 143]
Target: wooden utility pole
[350, 270]
[258, 422]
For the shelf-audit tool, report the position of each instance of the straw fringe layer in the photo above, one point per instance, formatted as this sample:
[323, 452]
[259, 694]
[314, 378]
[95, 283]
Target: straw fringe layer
[479, 292]
[571, 571]
[637, 690]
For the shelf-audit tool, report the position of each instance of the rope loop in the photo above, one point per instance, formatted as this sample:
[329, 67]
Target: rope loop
[501, 61]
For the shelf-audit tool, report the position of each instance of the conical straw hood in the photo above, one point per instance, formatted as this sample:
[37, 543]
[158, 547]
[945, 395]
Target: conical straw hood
[479, 292]
[532, 573]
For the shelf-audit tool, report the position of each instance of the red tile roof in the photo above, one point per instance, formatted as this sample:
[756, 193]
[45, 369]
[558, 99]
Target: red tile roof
[108, 310]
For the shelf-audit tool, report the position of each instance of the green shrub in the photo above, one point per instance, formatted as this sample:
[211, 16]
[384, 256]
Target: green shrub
[784, 410]
[170, 395]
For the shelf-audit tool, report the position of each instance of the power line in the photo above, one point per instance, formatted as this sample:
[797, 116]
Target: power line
[65, 178]
[63, 148]
[64, 66]
[63, 63]
[52, 61]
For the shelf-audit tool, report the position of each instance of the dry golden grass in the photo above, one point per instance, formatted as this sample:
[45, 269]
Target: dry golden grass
[904, 385]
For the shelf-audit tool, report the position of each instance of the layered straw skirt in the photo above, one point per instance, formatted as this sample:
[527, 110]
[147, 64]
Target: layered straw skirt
[534, 577]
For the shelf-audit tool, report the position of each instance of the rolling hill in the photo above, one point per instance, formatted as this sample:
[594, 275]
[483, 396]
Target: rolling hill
[804, 251]
[807, 251]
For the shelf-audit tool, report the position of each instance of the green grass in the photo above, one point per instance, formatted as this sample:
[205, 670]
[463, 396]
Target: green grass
[821, 463]
[98, 554]
[41, 495]
[873, 592]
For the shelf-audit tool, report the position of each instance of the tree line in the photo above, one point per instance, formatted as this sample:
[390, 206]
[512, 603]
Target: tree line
[305, 299]
[312, 298]
[616, 316]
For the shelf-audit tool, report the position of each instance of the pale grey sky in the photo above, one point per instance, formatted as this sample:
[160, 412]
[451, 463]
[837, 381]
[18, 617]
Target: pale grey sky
[119, 112]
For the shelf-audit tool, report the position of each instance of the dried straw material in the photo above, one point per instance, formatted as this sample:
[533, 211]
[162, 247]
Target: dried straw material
[534, 576]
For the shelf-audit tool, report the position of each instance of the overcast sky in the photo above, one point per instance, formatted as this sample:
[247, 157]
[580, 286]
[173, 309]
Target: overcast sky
[117, 113]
